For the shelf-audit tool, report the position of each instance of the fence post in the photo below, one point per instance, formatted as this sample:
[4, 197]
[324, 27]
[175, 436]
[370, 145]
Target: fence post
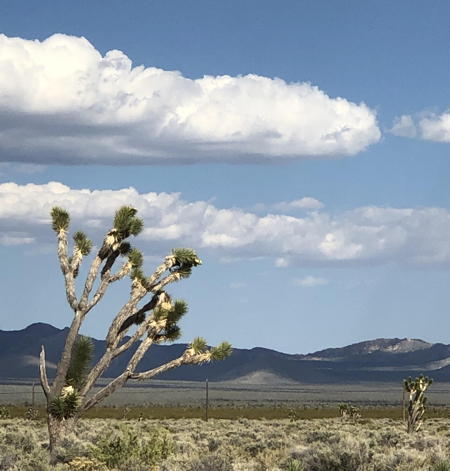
[33, 395]
[206, 400]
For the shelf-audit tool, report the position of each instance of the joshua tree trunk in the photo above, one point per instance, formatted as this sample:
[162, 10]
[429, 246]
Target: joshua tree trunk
[57, 430]
[156, 320]
[416, 405]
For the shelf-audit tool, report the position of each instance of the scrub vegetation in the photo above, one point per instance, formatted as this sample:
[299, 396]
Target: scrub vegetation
[229, 445]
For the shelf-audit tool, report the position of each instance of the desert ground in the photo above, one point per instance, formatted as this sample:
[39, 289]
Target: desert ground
[161, 426]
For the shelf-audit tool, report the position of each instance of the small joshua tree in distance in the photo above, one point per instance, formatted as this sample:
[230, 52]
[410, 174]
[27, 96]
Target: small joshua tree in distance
[149, 308]
[416, 389]
[349, 411]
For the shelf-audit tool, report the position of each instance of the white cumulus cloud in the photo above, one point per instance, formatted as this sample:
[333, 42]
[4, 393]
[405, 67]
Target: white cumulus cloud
[61, 101]
[364, 235]
[310, 281]
[305, 203]
[428, 126]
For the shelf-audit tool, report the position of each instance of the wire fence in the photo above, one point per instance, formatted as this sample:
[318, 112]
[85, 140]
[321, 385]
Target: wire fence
[235, 395]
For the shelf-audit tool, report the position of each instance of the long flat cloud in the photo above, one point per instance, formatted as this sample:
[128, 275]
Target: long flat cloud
[363, 235]
[61, 101]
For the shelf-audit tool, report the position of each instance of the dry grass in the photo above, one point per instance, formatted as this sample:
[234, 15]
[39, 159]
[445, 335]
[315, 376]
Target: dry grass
[231, 445]
[226, 412]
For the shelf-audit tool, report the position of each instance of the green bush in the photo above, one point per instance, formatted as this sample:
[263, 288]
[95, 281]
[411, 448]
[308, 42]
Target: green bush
[292, 465]
[347, 453]
[4, 413]
[31, 414]
[86, 464]
[125, 448]
[442, 465]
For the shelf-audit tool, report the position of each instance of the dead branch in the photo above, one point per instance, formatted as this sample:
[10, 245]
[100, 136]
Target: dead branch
[43, 372]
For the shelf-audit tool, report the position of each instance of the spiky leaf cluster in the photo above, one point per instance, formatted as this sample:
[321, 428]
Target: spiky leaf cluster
[420, 383]
[171, 331]
[64, 407]
[172, 312]
[83, 350]
[136, 258]
[222, 351]
[126, 223]
[83, 244]
[179, 309]
[185, 260]
[169, 334]
[60, 219]
[138, 275]
[199, 345]
[186, 257]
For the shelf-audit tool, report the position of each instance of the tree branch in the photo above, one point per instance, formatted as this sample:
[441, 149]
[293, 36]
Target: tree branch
[77, 257]
[66, 269]
[106, 391]
[109, 263]
[133, 339]
[137, 293]
[122, 379]
[66, 355]
[112, 352]
[107, 279]
[168, 263]
[96, 372]
[185, 359]
[43, 373]
[126, 268]
[129, 321]
[92, 275]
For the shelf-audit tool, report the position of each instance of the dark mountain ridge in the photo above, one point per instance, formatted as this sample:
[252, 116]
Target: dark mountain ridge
[373, 360]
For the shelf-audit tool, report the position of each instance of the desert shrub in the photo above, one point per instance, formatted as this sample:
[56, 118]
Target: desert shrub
[86, 464]
[31, 414]
[255, 448]
[441, 465]
[322, 436]
[72, 446]
[21, 440]
[222, 445]
[209, 462]
[292, 465]
[20, 450]
[346, 454]
[213, 444]
[125, 448]
[389, 438]
[4, 412]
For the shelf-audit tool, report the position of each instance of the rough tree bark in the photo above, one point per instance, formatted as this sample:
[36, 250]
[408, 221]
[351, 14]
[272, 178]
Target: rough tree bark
[155, 319]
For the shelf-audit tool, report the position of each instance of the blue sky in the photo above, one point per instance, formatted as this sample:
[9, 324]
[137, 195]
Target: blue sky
[365, 256]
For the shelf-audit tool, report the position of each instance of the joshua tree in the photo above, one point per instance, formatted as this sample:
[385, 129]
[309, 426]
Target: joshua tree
[416, 389]
[149, 316]
[349, 411]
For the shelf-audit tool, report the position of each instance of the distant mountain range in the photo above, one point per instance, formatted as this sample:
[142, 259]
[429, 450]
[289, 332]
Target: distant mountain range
[373, 360]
